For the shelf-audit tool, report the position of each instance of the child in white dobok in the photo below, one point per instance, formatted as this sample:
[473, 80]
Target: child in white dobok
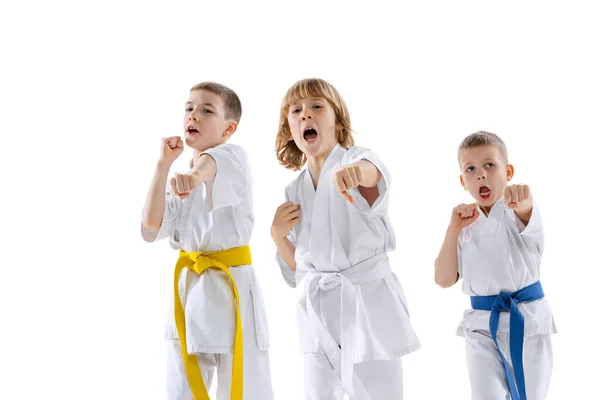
[495, 245]
[217, 317]
[334, 232]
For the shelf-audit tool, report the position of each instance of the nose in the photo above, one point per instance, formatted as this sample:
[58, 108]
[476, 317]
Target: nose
[192, 116]
[481, 174]
[306, 114]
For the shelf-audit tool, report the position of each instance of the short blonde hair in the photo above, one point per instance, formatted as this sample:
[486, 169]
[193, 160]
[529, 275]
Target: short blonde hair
[288, 154]
[483, 138]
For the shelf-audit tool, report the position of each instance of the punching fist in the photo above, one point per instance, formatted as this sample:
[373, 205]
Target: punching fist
[346, 178]
[183, 184]
[518, 198]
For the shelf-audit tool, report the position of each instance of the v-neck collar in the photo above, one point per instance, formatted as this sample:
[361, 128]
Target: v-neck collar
[496, 211]
[331, 159]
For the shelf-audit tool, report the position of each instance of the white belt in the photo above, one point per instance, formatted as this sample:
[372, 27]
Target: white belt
[343, 359]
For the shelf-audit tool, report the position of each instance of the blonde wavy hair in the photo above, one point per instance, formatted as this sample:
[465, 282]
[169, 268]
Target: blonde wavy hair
[288, 154]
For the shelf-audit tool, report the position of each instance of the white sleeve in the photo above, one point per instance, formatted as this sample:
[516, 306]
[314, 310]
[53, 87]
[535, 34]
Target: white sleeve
[289, 275]
[534, 231]
[380, 206]
[168, 220]
[230, 184]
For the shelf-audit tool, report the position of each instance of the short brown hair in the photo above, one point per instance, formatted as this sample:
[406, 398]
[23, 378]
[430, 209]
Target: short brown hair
[233, 105]
[483, 138]
[288, 154]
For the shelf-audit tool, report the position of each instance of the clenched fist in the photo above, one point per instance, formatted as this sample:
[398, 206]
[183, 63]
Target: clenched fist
[464, 215]
[183, 184]
[346, 178]
[171, 148]
[518, 198]
[286, 217]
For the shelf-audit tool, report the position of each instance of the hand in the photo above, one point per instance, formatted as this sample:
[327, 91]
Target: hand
[171, 148]
[518, 198]
[346, 178]
[286, 217]
[464, 215]
[183, 184]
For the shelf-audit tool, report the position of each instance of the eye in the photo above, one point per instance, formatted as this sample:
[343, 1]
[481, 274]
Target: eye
[470, 169]
[317, 106]
[490, 165]
[295, 110]
[188, 109]
[207, 111]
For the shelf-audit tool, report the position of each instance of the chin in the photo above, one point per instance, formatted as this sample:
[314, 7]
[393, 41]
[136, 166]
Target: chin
[194, 142]
[487, 202]
[312, 152]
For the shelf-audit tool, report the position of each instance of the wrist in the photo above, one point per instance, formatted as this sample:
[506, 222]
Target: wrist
[276, 236]
[525, 214]
[453, 231]
[164, 164]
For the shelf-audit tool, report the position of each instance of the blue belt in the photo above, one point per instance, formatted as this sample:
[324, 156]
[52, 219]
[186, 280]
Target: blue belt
[508, 302]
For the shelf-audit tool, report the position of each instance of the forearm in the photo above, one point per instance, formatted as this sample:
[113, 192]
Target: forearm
[525, 215]
[287, 251]
[446, 264]
[205, 169]
[370, 174]
[154, 207]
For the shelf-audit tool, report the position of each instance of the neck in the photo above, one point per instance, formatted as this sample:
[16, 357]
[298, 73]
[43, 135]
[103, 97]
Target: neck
[486, 209]
[316, 163]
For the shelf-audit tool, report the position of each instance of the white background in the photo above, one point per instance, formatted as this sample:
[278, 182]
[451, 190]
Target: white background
[88, 89]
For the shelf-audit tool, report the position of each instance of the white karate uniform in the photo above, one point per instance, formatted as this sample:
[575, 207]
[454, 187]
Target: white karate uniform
[352, 308]
[216, 216]
[498, 254]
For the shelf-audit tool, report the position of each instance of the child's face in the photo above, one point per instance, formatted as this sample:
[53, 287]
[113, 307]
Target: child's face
[204, 122]
[484, 173]
[312, 124]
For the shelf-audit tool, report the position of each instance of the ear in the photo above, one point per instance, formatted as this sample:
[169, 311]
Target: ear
[462, 182]
[510, 172]
[231, 128]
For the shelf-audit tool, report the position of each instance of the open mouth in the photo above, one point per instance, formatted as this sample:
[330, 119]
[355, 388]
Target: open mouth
[192, 131]
[310, 134]
[485, 192]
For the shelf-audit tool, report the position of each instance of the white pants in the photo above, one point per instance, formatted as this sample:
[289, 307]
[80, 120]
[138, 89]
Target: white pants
[381, 379]
[486, 370]
[257, 370]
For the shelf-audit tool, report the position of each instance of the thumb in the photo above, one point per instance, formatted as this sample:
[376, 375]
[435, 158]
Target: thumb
[348, 197]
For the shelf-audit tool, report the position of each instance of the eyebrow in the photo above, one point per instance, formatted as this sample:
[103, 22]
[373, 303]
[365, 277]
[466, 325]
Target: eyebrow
[485, 160]
[203, 104]
[295, 102]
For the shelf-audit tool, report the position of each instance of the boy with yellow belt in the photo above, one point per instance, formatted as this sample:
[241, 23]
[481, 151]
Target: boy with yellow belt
[217, 319]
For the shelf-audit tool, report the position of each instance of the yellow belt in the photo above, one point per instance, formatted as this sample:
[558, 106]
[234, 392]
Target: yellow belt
[200, 262]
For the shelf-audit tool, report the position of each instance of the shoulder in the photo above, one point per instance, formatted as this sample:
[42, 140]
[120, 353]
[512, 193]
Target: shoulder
[293, 185]
[229, 151]
[292, 188]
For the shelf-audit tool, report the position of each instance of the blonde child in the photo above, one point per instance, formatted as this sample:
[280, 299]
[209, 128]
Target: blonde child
[333, 231]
